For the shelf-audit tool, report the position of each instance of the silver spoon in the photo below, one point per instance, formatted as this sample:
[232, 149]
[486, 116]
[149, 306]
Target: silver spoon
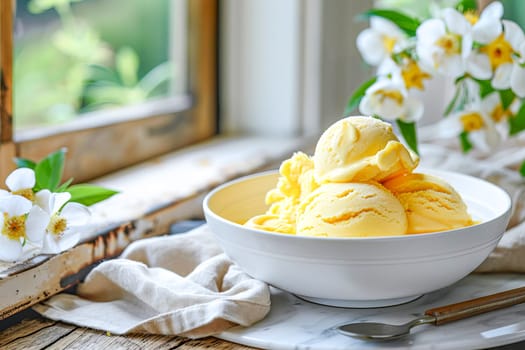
[436, 316]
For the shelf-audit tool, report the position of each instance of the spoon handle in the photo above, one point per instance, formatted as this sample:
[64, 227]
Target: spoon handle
[464, 309]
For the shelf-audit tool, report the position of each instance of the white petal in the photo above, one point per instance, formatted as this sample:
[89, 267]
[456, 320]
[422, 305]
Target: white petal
[521, 51]
[4, 193]
[455, 21]
[10, 250]
[489, 26]
[466, 45]
[501, 79]
[426, 57]
[490, 102]
[60, 198]
[371, 47]
[44, 201]
[68, 241]
[493, 11]
[517, 80]
[513, 34]
[452, 66]
[390, 109]
[76, 214]
[414, 109]
[449, 127]
[492, 138]
[365, 106]
[430, 30]
[36, 224]
[386, 27]
[388, 66]
[486, 31]
[478, 65]
[20, 179]
[51, 245]
[15, 205]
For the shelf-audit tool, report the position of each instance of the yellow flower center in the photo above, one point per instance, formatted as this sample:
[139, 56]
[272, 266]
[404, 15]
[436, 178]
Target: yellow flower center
[472, 121]
[499, 51]
[471, 16]
[389, 43]
[498, 113]
[450, 43]
[14, 227]
[57, 225]
[392, 94]
[413, 76]
[26, 193]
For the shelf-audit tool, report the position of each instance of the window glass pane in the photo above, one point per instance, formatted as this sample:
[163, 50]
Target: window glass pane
[74, 57]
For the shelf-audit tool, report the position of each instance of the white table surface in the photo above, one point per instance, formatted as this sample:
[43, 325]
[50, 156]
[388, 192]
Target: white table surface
[297, 324]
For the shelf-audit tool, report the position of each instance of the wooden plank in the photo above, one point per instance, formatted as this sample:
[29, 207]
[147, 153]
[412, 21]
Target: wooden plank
[82, 338]
[23, 329]
[40, 333]
[39, 339]
[212, 343]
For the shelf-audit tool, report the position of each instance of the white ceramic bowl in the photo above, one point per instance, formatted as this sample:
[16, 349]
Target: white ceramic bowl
[356, 272]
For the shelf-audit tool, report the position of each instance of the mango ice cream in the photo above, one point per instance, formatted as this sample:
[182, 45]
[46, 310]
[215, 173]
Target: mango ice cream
[359, 183]
[430, 203]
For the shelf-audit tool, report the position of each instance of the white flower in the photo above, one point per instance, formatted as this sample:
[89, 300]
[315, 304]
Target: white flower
[443, 44]
[408, 70]
[388, 99]
[20, 222]
[65, 223]
[477, 120]
[378, 42]
[502, 51]
[20, 182]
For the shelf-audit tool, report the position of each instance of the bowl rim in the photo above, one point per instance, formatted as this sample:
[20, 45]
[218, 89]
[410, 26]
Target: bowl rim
[438, 172]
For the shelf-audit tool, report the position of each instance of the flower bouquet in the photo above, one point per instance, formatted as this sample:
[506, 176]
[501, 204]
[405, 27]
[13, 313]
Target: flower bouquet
[481, 53]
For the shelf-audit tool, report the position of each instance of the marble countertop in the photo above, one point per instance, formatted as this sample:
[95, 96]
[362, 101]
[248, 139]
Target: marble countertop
[294, 323]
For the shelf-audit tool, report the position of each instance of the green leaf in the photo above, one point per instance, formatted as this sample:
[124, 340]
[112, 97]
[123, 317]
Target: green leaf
[406, 23]
[358, 94]
[451, 106]
[517, 122]
[408, 130]
[465, 142]
[48, 171]
[522, 169]
[466, 5]
[64, 186]
[506, 97]
[88, 194]
[24, 163]
[485, 87]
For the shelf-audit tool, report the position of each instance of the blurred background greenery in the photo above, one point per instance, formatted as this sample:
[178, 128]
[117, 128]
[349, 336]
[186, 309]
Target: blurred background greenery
[76, 56]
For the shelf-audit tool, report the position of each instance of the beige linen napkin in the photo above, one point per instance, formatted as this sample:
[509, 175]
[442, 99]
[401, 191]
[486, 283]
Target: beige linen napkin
[499, 167]
[177, 285]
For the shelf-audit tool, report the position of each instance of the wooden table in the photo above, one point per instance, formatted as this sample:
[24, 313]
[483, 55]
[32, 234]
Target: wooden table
[35, 332]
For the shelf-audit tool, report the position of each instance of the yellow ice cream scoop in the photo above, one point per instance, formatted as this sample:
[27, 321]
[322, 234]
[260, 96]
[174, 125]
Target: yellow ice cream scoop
[431, 204]
[296, 180]
[272, 223]
[356, 149]
[350, 210]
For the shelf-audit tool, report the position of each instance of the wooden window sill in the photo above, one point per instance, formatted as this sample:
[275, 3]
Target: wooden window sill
[153, 195]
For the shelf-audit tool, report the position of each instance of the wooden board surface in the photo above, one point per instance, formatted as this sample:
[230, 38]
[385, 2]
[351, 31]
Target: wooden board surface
[38, 333]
